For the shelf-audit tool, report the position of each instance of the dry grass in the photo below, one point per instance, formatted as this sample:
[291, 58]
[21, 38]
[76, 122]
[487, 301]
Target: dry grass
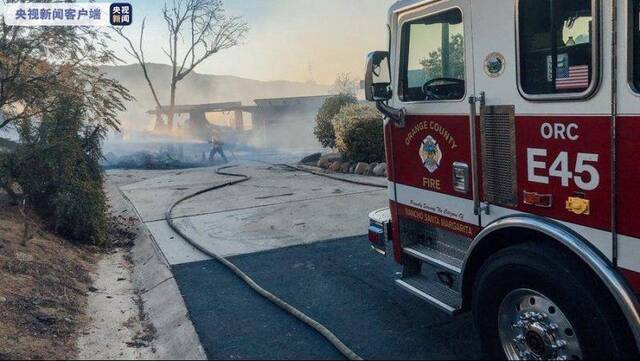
[43, 289]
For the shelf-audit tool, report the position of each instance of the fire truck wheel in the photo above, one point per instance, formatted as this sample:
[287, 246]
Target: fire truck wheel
[536, 301]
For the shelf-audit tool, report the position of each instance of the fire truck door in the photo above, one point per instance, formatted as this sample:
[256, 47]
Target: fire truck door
[544, 142]
[431, 152]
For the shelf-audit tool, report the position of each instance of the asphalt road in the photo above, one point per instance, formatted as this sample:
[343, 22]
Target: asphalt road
[296, 234]
[340, 283]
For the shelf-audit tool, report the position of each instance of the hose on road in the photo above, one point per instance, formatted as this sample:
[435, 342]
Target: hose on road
[342, 179]
[322, 330]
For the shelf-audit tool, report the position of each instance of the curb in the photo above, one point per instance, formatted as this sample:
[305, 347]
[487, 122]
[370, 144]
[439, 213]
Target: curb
[163, 304]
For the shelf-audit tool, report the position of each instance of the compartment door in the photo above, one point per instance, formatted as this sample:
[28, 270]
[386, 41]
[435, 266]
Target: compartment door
[546, 125]
[628, 133]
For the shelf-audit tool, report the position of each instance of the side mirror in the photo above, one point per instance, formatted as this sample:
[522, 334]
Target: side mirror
[377, 80]
[377, 86]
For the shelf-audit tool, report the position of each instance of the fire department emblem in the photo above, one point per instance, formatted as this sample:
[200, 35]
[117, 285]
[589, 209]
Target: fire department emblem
[430, 154]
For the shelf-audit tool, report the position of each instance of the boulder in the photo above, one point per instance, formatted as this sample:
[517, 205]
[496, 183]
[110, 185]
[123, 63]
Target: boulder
[311, 159]
[361, 168]
[345, 167]
[336, 166]
[326, 160]
[331, 157]
[380, 170]
[323, 163]
[370, 168]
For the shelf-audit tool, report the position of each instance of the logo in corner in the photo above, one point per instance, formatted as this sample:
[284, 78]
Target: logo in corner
[430, 154]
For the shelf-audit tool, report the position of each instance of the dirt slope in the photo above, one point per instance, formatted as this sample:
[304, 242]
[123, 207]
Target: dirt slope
[43, 289]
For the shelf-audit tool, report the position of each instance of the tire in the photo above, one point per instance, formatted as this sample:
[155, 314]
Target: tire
[552, 299]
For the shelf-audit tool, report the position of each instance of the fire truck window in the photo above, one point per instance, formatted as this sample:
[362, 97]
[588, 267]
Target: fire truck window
[433, 58]
[556, 46]
[635, 33]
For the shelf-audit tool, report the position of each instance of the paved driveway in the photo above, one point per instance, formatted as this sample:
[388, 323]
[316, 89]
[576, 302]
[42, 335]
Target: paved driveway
[301, 237]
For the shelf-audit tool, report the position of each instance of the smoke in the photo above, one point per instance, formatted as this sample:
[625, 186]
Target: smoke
[307, 43]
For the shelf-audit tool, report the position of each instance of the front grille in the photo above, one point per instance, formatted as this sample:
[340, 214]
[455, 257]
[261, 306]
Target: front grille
[498, 143]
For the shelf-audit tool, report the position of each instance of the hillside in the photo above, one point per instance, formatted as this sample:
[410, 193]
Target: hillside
[44, 281]
[198, 88]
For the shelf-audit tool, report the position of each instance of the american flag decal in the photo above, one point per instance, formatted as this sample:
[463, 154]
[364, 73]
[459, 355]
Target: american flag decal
[573, 77]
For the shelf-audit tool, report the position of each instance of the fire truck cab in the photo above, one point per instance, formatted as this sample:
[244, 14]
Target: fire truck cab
[512, 129]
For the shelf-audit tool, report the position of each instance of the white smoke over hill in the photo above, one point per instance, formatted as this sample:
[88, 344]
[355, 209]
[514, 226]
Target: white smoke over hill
[196, 89]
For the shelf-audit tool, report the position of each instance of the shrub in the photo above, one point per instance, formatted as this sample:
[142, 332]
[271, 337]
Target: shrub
[359, 133]
[57, 165]
[324, 131]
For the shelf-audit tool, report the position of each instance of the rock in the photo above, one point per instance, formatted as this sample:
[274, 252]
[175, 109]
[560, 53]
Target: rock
[323, 163]
[3, 299]
[352, 169]
[361, 168]
[326, 160]
[370, 168]
[336, 166]
[92, 289]
[380, 170]
[331, 157]
[345, 167]
[311, 159]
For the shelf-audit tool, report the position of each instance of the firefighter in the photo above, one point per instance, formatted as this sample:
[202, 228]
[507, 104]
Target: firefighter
[216, 147]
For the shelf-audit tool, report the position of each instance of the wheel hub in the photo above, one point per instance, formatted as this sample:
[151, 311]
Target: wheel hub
[532, 327]
[537, 343]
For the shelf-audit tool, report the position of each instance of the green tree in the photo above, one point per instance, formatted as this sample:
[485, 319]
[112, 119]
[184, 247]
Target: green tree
[52, 91]
[359, 133]
[323, 130]
[63, 182]
[433, 65]
[39, 64]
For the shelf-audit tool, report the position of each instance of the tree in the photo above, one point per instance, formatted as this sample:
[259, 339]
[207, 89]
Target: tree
[323, 130]
[359, 133]
[64, 183]
[38, 64]
[41, 65]
[433, 66]
[197, 29]
[345, 85]
[53, 92]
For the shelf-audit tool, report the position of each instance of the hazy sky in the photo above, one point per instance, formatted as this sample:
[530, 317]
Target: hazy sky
[288, 40]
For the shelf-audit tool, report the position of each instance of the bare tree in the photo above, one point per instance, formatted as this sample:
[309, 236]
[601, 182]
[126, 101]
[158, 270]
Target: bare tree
[197, 29]
[344, 84]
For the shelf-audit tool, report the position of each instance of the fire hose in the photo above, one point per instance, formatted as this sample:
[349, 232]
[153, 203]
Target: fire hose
[318, 327]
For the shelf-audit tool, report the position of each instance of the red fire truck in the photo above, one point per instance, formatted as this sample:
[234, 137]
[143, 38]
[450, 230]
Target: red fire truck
[512, 131]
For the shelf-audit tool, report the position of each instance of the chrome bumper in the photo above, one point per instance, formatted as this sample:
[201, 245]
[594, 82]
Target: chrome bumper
[380, 230]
